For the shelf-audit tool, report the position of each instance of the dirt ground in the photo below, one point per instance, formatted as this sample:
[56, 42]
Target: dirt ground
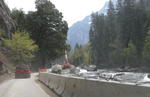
[5, 76]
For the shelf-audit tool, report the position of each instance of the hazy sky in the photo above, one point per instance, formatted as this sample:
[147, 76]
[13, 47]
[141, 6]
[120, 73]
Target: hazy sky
[73, 10]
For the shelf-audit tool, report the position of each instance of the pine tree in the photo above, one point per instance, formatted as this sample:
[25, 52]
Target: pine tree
[118, 37]
[19, 17]
[111, 30]
[139, 28]
[99, 39]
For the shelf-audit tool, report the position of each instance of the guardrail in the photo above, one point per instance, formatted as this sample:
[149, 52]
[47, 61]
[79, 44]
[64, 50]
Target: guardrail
[66, 86]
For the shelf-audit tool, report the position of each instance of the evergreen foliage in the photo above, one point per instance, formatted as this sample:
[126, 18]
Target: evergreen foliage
[81, 55]
[46, 27]
[146, 52]
[119, 37]
[19, 18]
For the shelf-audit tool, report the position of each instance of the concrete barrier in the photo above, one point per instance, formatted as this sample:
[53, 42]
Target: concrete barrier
[80, 87]
[61, 82]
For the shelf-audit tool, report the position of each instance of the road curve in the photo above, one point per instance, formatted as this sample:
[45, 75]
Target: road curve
[22, 88]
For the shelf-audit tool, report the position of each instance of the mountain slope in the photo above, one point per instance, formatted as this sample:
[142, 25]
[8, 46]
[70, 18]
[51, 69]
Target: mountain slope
[78, 33]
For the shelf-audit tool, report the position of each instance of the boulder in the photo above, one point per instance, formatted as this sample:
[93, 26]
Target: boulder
[56, 68]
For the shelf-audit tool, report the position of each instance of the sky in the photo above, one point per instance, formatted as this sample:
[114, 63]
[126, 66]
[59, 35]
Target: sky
[73, 10]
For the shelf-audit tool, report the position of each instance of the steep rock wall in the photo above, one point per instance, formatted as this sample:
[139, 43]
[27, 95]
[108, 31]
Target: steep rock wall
[6, 22]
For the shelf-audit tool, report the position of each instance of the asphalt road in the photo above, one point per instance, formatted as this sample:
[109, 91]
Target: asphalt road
[30, 87]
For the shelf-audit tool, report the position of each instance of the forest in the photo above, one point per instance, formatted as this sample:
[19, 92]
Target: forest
[121, 37]
[39, 36]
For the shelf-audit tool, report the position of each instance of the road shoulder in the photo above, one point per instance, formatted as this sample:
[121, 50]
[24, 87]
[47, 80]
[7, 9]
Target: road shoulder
[46, 89]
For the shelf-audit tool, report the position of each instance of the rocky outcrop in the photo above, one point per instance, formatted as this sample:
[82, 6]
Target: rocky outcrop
[6, 22]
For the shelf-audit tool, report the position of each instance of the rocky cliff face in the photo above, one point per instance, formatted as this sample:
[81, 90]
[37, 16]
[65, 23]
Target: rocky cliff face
[6, 22]
[79, 32]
